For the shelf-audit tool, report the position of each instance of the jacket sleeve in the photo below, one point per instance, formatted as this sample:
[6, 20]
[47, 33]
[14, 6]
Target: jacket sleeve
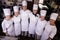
[53, 33]
[3, 27]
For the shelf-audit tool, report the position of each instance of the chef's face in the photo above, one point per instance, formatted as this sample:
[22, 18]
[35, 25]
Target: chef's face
[24, 8]
[52, 22]
[42, 18]
[35, 11]
[8, 17]
[16, 13]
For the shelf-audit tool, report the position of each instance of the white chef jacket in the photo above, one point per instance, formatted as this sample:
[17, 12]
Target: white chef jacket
[50, 31]
[40, 26]
[32, 24]
[24, 18]
[17, 24]
[7, 26]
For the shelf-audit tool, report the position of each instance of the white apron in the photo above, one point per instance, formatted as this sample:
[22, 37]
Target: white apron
[7, 27]
[40, 26]
[17, 25]
[32, 25]
[24, 18]
[49, 31]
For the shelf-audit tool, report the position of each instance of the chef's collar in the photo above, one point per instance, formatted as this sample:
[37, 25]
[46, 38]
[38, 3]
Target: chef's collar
[35, 14]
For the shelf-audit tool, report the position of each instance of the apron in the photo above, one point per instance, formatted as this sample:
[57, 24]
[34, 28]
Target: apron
[32, 25]
[40, 26]
[47, 32]
[17, 25]
[8, 27]
[24, 18]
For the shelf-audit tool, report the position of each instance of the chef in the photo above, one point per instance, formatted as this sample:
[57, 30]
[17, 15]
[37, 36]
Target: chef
[50, 28]
[24, 17]
[33, 21]
[7, 24]
[17, 21]
[40, 24]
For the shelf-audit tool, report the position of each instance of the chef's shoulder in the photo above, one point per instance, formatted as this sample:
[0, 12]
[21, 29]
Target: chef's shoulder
[46, 21]
[21, 10]
[28, 11]
[3, 20]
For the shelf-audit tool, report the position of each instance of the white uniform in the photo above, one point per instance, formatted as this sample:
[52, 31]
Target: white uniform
[33, 20]
[7, 26]
[17, 25]
[17, 20]
[40, 26]
[32, 25]
[49, 31]
[24, 18]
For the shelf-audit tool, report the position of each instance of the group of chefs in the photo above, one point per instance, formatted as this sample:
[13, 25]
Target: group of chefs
[27, 23]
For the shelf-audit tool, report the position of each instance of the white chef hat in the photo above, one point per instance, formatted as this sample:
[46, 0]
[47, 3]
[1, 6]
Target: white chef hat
[16, 8]
[43, 12]
[24, 3]
[6, 11]
[54, 16]
[35, 7]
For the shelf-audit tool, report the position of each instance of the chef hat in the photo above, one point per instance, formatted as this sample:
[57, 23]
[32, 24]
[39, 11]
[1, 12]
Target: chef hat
[35, 7]
[16, 8]
[6, 11]
[41, 1]
[43, 12]
[24, 3]
[54, 16]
